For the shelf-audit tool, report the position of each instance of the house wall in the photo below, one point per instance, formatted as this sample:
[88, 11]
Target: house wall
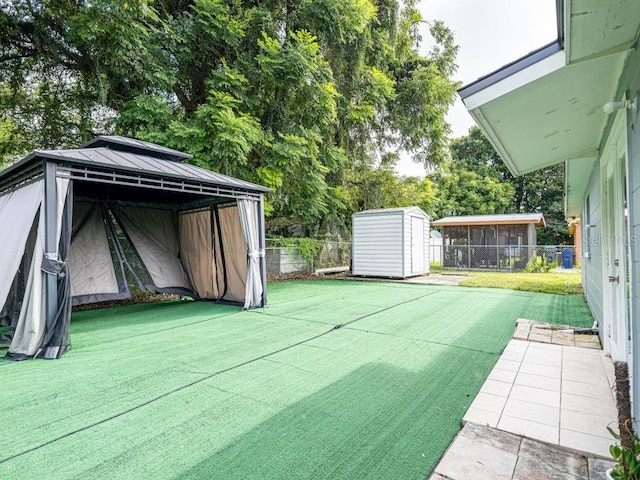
[631, 84]
[378, 248]
[592, 261]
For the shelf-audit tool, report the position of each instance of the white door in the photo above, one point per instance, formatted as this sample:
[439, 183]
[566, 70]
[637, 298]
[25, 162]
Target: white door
[615, 248]
[417, 245]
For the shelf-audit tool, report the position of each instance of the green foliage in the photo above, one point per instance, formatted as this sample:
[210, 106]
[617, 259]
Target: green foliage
[539, 264]
[306, 97]
[476, 182]
[307, 248]
[627, 458]
[466, 192]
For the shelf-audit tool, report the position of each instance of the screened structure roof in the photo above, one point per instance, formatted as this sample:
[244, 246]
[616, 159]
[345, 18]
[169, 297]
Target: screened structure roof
[506, 219]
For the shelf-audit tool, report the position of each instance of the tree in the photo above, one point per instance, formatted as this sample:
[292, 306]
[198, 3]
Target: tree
[301, 96]
[466, 192]
[476, 181]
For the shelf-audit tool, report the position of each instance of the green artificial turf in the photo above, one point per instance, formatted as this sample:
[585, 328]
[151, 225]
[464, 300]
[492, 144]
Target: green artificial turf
[336, 379]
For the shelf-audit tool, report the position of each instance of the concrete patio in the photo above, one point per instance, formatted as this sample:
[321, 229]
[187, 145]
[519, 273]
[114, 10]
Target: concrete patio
[543, 412]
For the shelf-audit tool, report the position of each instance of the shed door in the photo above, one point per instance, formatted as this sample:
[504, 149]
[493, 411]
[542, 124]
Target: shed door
[417, 245]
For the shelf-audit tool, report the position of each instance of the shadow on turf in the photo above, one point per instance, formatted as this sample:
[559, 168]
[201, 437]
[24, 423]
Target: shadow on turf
[379, 421]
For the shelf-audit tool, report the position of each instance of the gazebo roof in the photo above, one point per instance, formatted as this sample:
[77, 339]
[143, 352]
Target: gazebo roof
[128, 162]
[133, 145]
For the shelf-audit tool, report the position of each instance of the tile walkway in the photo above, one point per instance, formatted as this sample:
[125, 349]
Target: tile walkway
[541, 397]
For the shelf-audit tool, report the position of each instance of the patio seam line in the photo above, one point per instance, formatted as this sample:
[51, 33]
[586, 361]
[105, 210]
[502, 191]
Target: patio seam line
[512, 383]
[153, 333]
[171, 328]
[423, 341]
[515, 466]
[200, 380]
[340, 325]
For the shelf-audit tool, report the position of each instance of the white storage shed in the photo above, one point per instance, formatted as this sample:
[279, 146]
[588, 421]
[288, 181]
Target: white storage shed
[391, 242]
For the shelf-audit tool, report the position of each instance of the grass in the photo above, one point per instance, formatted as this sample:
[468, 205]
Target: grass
[548, 282]
[335, 380]
[556, 283]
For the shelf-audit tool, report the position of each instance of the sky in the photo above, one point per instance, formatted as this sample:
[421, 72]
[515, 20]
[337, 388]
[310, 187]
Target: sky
[490, 34]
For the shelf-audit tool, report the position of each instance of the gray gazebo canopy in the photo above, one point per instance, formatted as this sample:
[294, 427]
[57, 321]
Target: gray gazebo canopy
[81, 225]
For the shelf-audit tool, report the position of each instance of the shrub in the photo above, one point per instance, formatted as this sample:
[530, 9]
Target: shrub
[539, 264]
[307, 248]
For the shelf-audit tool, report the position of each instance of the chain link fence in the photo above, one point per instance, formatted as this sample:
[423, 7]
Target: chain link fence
[290, 260]
[506, 257]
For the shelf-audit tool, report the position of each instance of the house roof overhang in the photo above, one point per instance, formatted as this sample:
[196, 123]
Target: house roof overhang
[546, 108]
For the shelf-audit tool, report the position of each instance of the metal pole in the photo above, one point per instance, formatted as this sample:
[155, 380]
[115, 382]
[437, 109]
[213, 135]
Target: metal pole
[262, 246]
[50, 240]
[468, 247]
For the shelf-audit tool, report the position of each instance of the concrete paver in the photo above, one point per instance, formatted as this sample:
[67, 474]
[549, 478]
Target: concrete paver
[541, 461]
[542, 413]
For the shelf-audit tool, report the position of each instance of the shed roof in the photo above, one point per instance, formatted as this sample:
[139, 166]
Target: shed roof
[374, 211]
[507, 219]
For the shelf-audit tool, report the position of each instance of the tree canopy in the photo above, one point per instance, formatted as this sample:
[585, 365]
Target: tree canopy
[309, 97]
[476, 181]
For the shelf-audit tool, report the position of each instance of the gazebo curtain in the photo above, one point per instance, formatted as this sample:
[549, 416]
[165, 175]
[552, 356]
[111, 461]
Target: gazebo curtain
[153, 234]
[17, 209]
[32, 332]
[56, 341]
[248, 211]
[233, 250]
[220, 250]
[91, 265]
[213, 252]
[198, 253]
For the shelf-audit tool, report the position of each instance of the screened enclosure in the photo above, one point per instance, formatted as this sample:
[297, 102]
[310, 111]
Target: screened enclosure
[89, 224]
[489, 241]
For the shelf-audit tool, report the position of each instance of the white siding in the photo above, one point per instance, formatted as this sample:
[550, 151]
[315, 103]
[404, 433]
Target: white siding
[378, 244]
[634, 240]
[592, 266]
[382, 243]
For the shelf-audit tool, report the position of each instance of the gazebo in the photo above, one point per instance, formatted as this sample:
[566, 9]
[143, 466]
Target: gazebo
[489, 241]
[86, 224]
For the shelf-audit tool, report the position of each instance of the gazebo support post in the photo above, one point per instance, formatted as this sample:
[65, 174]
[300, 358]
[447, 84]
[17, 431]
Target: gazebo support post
[50, 239]
[262, 247]
[531, 240]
